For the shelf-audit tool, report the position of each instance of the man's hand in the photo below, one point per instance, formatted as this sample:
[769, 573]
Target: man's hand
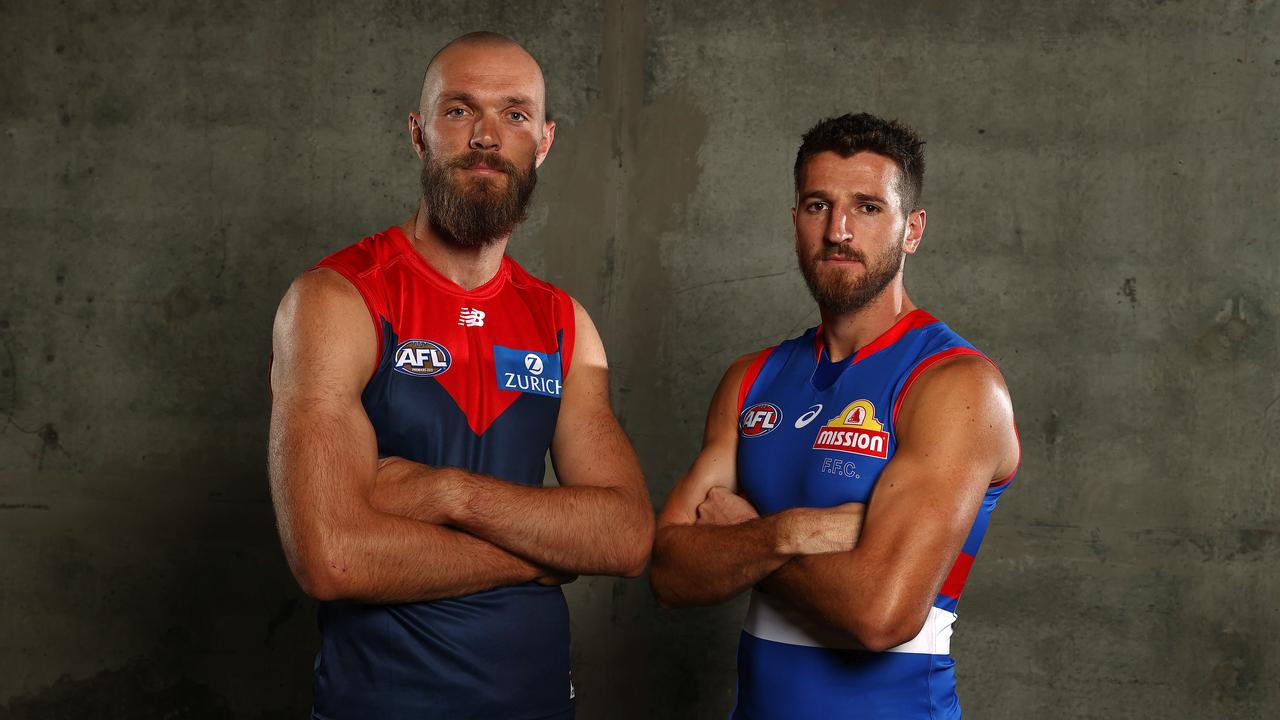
[722, 506]
[818, 531]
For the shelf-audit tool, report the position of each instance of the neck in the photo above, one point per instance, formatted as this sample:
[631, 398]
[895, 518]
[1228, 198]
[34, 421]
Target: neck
[468, 267]
[846, 333]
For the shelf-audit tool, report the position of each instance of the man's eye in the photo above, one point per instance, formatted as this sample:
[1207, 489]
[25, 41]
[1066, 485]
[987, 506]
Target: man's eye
[870, 209]
[455, 112]
[518, 116]
[816, 207]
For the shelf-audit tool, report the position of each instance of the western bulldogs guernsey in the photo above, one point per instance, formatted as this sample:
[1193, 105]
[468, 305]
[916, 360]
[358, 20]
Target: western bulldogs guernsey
[813, 433]
[467, 379]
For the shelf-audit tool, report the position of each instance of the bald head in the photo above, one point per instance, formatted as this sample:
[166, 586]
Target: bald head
[482, 55]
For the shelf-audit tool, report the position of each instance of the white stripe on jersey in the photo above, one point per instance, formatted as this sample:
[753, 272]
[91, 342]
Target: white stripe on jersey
[769, 618]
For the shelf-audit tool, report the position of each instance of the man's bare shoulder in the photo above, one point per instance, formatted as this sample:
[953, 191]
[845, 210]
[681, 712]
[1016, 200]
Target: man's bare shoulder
[322, 330]
[964, 395]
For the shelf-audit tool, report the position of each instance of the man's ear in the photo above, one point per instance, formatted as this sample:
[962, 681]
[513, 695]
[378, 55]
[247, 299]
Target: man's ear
[415, 135]
[544, 147]
[915, 231]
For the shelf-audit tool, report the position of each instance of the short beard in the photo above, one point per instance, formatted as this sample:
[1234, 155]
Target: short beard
[838, 296]
[473, 212]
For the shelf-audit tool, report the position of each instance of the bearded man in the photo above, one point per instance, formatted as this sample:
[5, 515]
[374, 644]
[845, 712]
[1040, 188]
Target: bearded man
[420, 376]
[847, 475]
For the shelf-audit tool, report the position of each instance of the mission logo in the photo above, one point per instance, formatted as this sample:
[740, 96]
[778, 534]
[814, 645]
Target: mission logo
[421, 358]
[855, 430]
[759, 419]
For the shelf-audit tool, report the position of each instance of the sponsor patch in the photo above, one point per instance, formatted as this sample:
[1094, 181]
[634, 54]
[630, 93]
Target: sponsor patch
[528, 371]
[421, 358]
[855, 430]
[759, 419]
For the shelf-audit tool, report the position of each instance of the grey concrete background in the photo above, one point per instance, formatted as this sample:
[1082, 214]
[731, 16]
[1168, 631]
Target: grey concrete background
[1103, 203]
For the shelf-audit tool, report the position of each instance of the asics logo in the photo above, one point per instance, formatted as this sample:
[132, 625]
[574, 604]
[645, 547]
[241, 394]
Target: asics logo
[808, 417]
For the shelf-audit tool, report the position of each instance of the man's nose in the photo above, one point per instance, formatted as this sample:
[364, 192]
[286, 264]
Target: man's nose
[484, 135]
[838, 228]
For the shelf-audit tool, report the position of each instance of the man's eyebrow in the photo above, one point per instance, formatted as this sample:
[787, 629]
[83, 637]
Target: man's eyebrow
[868, 197]
[459, 96]
[469, 99]
[820, 194]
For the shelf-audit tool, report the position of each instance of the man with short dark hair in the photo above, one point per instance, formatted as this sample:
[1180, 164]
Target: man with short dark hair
[847, 475]
[420, 377]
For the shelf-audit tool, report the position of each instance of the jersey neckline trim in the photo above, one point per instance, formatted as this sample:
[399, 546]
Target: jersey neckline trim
[487, 289]
[913, 320]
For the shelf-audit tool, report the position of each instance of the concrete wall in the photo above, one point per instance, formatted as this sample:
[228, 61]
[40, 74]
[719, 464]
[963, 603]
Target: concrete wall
[1102, 198]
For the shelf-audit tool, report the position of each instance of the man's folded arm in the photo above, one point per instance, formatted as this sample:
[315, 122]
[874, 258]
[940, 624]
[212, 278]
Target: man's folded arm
[955, 436]
[711, 544]
[599, 521]
[323, 464]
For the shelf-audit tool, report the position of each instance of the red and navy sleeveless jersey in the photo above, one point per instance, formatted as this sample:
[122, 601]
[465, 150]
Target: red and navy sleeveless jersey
[467, 379]
[813, 433]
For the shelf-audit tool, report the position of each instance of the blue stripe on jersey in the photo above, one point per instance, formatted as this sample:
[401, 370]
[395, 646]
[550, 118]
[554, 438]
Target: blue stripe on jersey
[777, 681]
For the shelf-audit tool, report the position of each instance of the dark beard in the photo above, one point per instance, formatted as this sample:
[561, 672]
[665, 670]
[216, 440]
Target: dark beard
[836, 295]
[474, 212]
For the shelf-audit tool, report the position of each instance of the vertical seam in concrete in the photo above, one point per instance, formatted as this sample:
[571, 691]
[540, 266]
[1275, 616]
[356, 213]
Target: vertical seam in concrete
[622, 76]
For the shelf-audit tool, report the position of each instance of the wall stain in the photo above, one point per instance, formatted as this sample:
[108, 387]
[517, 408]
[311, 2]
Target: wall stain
[1053, 428]
[286, 610]
[1229, 335]
[139, 689]
[1129, 290]
[8, 376]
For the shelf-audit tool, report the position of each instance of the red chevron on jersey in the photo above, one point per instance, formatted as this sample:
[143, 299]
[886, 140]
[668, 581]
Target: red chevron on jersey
[457, 337]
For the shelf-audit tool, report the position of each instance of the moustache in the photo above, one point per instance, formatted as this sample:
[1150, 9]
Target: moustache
[481, 157]
[839, 253]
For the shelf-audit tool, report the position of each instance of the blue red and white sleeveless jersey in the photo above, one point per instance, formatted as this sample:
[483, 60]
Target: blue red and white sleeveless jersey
[812, 433]
[468, 379]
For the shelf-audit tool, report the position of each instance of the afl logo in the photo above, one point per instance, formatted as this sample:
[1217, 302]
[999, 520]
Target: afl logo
[759, 419]
[421, 358]
[533, 364]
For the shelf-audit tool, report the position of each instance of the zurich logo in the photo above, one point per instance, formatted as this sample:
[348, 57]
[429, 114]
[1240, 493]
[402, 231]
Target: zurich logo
[528, 371]
[533, 364]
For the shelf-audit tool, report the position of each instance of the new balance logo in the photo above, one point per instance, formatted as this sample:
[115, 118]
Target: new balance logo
[471, 317]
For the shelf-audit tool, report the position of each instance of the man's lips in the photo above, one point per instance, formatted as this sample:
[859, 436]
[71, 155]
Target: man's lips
[485, 170]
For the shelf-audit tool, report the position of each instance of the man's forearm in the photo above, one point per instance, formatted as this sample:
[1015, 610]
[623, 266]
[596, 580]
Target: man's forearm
[581, 530]
[390, 559]
[842, 591]
[708, 564]
[818, 585]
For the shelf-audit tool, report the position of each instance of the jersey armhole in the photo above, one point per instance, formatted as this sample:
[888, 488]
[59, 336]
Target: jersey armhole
[749, 377]
[929, 362]
[366, 294]
[568, 320]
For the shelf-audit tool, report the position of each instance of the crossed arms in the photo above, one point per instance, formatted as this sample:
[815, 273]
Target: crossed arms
[355, 528]
[871, 575]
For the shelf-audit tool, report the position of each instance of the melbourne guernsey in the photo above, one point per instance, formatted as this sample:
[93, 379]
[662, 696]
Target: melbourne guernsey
[467, 379]
[813, 433]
